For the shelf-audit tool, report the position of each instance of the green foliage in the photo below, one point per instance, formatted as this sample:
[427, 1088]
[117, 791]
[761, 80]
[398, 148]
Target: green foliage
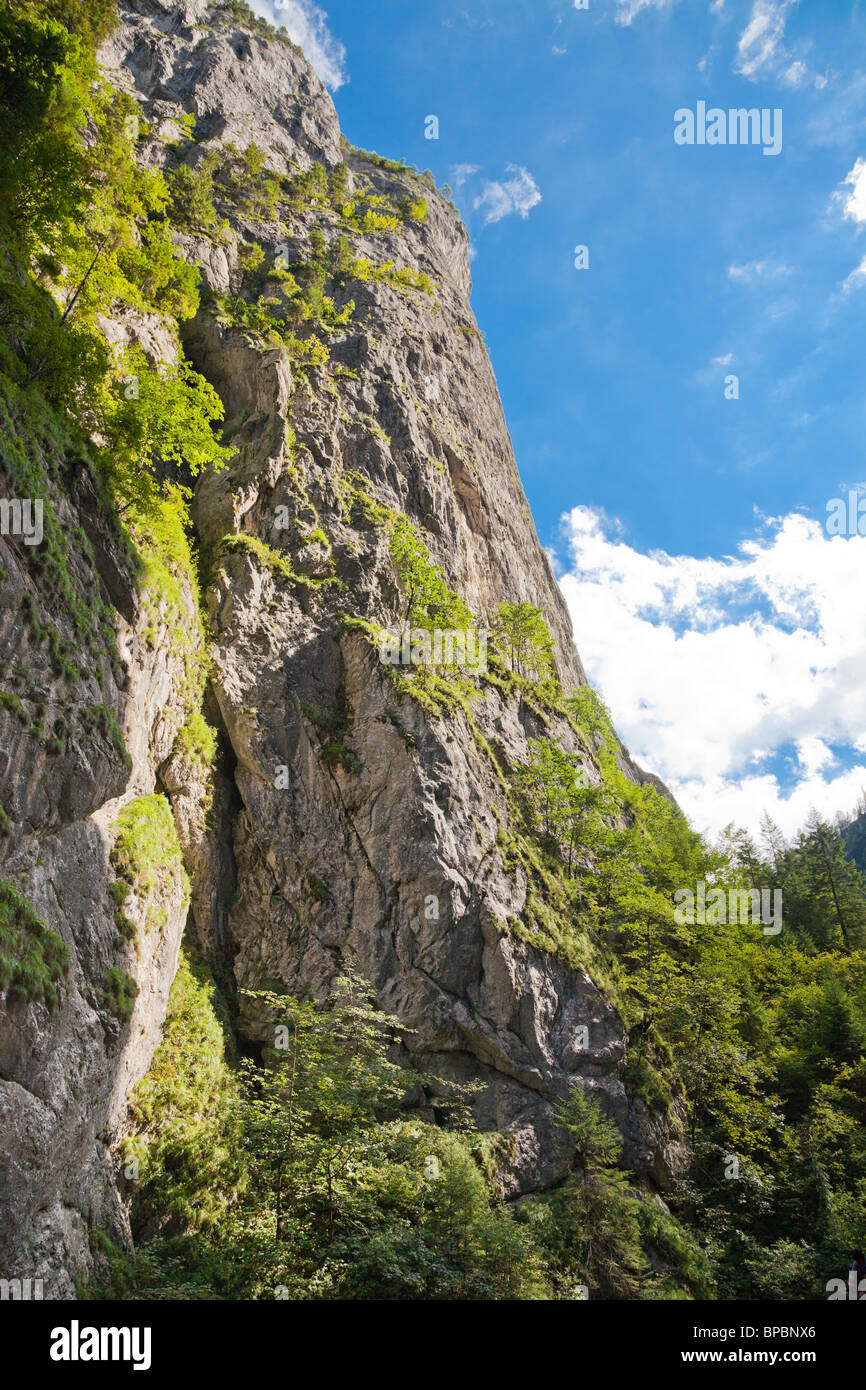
[35, 443]
[272, 560]
[198, 740]
[184, 1116]
[394, 166]
[248, 184]
[86, 234]
[523, 640]
[119, 993]
[853, 831]
[241, 13]
[346, 266]
[146, 856]
[338, 185]
[33, 959]
[334, 730]
[301, 1177]
[309, 188]
[191, 193]
[304, 1172]
[151, 416]
[102, 719]
[757, 1039]
[429, 603]
[93, 20]
[686, 1263]
[559, 798]
[589, 1225]
[413, 209]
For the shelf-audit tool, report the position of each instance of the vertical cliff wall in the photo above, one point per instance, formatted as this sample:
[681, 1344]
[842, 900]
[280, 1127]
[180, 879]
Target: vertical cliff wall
[355, 820]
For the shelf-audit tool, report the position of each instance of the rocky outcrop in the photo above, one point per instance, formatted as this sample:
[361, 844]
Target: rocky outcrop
[78, 746]
[385, 855]
[350, 824]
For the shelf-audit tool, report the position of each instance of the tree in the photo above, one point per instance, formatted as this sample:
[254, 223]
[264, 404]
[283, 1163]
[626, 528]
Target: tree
[338, 185]
[827, 889]
[559, 796]
[152, 416]
[592, 1231]
[524, 641]
[429, 603]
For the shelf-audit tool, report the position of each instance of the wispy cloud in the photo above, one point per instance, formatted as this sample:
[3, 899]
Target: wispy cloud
[760, 45]
[500, 198]
[627, 10]
[307, 25]
[754, 272]
[706, 376]
[762, 51]
[856, 280]
[461, 172]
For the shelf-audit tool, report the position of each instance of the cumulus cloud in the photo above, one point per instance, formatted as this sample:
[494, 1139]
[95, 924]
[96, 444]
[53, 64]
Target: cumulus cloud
[307, 25]
[742, 680]
[503, 197]
[854, 203]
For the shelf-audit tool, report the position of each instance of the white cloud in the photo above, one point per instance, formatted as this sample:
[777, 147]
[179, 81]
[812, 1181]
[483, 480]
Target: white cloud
[855, 279]
[762, 52]
[706, 376]
[627, 10]
[754, 271]
[855, 201]
[461, 172]
[501, 198]
[760, 45]
[796, 74]
[307, 25]
[715, 667]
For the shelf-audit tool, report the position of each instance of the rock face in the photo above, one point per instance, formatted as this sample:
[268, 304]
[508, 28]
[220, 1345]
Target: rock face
[65, 1071]
[351, 826]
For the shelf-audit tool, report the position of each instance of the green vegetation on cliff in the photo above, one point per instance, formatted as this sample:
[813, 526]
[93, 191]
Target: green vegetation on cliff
[33, 960]
[300, 1176]
[297, 1173]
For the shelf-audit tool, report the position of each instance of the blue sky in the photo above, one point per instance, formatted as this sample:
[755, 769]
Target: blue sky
[725, 628]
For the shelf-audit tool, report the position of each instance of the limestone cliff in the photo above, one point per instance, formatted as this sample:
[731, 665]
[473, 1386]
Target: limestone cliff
[351, 822]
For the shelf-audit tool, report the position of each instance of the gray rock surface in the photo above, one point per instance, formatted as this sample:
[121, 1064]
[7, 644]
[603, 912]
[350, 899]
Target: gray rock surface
[381, 853]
